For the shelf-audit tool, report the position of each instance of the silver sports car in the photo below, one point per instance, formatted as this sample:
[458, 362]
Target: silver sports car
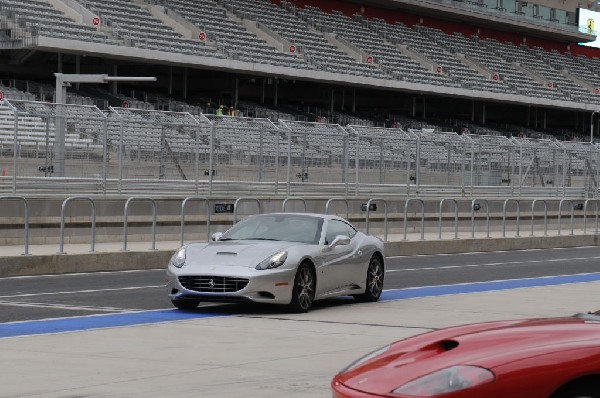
[281, 258]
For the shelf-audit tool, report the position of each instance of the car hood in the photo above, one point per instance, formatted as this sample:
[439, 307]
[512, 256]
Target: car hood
[487, 345]
[233, 253]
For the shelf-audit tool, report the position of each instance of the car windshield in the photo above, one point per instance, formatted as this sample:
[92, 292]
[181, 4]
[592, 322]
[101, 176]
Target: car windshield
[279, 227]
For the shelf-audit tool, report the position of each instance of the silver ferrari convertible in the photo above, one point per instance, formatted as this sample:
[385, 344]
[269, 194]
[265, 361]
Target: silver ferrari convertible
[281, 258]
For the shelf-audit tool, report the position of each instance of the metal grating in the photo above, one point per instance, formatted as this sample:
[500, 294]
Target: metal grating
[212, 284]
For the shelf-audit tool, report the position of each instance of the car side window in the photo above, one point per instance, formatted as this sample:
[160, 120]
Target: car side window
[335, 228]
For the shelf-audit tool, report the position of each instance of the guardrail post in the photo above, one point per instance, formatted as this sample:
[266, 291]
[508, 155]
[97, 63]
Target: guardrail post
[385, 219]
[153, 220]
[487, 208]
[585, 207]
[25, 217]
[62, 221]
[455, 217]
[338, 200]
[504, 216]
[422, 216]
[183, 204]
[545, 216]
[560, 214]
[290, 199]
[242, 199]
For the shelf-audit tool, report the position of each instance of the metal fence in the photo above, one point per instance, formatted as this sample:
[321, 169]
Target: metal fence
[48, 148]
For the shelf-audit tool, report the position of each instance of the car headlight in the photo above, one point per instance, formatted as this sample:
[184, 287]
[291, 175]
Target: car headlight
[364, 359]
[276, 260]
[447, 380]
[178, 259]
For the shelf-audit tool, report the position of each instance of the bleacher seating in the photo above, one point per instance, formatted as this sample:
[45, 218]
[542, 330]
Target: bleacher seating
[48, 21]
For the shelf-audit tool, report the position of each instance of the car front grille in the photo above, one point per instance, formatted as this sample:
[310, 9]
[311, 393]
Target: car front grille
[212, 284]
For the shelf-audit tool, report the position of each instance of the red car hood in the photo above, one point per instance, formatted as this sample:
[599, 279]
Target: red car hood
[487, 345]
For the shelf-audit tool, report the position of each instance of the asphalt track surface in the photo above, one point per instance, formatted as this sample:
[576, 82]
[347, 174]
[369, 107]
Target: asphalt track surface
[78, 295]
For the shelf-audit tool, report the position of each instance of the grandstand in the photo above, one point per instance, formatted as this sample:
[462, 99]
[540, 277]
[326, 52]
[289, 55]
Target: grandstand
[332, 93]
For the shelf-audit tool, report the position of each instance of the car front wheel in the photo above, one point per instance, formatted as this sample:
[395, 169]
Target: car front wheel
[588, 389]
[375, 274]
[303, 291]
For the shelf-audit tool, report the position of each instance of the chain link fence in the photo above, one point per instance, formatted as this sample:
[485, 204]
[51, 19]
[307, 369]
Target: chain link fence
[50, 148]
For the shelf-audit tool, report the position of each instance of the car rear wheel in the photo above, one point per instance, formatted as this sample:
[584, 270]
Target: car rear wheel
[375, 275]
[185, 304]
[303, 291]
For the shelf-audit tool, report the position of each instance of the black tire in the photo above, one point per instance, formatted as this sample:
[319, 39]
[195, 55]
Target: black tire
[586, 389]
[303, 291]
[186, 304]
[374, 285]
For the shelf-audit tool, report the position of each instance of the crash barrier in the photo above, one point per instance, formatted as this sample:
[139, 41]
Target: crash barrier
[385, 216]
[545, 216]
[25, 218]
[287, 200]
[247, 199]
[422, 203]
[506, 202]
[183, 205]
[585, 207]
[476, 206]
[388, 216]
[62, 221]
[125, 224]
[344, 200]
[455, 216]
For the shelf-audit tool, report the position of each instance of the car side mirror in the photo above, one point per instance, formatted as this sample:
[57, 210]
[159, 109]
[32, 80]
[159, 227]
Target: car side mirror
[340, 240]
[216, 236]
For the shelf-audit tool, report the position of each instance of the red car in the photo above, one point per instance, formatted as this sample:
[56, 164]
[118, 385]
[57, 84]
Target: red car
[536, 358]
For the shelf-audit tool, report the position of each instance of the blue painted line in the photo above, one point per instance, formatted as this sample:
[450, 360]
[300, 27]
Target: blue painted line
[480, 287]
[76, 324]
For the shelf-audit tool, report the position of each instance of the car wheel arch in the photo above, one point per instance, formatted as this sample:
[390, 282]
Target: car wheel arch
[583, 381]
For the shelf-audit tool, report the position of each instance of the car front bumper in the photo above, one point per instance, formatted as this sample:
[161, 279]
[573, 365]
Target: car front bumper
[267, 286]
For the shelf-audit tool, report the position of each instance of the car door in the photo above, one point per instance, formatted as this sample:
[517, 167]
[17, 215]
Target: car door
[338, 264]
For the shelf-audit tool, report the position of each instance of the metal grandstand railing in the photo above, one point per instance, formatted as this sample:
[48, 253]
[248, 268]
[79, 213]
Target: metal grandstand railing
[136, 151]
[14, 35]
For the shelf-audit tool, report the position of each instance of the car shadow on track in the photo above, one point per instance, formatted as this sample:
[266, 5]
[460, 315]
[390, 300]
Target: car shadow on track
[257, 309]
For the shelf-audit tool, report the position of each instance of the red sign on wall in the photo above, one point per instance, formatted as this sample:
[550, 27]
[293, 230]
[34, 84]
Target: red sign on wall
[96, 21]
[125, 104]
[439, 69]
[202, 36]
[370, 59]
[496, 76]
[596, 90]
[292, 49]
[1, 95]
[549, 84]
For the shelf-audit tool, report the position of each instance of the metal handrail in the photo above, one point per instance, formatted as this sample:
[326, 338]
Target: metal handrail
[487, 207]
[183, 204]
[385, 219]
[290, 199]
[338, 200]
[560, 214]
[243, 199]
[504, 216]
[153, 220]
[62, 221]
[585, 206]
[422, 216]
[25, 216]
[545, 216]
[455, 217]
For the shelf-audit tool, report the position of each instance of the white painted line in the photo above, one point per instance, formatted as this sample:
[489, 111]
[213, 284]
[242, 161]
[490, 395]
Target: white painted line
[64, 307]
[496, 251]
[554, 260]
[82, 274]
[83, 291]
